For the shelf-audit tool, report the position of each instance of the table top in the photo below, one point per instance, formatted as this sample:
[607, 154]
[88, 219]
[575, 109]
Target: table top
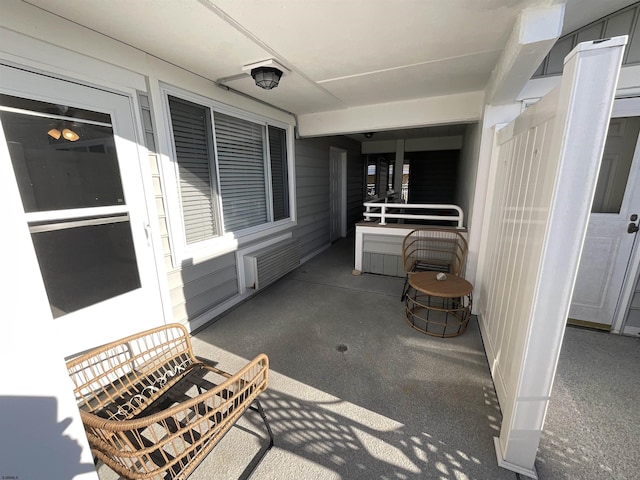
[451, 287]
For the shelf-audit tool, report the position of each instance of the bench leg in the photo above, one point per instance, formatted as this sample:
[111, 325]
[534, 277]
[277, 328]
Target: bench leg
[257, 407]
[260, 410]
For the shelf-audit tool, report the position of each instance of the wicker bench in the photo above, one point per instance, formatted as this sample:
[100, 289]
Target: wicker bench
[153, 410]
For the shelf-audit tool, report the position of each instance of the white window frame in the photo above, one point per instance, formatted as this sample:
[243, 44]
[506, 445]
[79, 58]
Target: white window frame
[229, 241]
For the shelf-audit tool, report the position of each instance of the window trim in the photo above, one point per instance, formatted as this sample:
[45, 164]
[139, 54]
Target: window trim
[229, 241]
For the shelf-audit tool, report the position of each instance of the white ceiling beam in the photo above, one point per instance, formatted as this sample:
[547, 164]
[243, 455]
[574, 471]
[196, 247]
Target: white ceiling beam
[534, 34]
[458, 108]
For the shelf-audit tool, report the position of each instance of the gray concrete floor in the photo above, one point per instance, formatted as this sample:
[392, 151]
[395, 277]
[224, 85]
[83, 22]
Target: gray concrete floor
[355, 393]
[592, 429]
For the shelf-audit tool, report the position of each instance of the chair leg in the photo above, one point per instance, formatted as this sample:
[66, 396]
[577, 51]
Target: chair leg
[266, 422]
[404, 288]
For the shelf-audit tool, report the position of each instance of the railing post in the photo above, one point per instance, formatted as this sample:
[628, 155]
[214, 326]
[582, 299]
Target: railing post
[383, 212]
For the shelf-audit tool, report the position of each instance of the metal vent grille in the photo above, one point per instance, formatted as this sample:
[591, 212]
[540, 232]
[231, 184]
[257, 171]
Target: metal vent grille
[272, 262]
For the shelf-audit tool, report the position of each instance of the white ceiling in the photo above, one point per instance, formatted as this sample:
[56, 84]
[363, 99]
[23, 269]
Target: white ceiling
[340, 53]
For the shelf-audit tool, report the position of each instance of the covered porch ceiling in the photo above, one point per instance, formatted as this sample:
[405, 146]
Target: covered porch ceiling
[340, 56]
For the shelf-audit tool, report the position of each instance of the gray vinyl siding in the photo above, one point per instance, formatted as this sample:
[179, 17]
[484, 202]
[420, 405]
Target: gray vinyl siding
[193, 289]
[381, 264]
[382, 254]
[356, 187]
[154, 167]
[622, 22]
[197, 289]
[312, 189]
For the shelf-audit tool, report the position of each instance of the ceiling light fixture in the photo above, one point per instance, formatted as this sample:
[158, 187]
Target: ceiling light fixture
[66, 133]
[70, 135]
[63, 128]
[266, 74]
[266, 77]
[54, 133]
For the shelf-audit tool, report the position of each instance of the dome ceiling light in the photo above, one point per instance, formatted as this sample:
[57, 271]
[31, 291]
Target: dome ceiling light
[266, 74]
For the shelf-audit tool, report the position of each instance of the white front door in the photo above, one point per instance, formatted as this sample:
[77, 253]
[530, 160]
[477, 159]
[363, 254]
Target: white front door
[74, 154]
[609, 240]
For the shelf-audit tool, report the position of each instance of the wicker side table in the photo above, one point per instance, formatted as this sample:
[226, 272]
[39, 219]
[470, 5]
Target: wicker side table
[441, 308]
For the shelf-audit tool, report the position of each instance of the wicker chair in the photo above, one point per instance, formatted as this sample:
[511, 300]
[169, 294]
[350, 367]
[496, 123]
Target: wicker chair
[153, 410]
[433, 249]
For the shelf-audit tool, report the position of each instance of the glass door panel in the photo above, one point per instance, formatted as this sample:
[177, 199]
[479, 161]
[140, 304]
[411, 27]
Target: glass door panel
[86, 261]
[68, 175]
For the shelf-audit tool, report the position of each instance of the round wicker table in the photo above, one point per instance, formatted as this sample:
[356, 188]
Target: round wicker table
[441, 308]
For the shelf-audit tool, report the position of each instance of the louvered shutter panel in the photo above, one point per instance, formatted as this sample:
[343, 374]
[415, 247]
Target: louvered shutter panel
[190, 123]
[279, 179]
[240, 149]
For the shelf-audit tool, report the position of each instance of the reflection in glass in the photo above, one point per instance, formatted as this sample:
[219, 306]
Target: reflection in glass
[86, 261]
[58, 174]
[618, 155]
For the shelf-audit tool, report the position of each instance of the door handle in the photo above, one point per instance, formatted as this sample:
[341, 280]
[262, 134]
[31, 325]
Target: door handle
[147, 232]
[632, 228]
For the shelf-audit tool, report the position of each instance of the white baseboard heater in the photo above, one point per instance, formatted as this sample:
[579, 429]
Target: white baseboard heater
[264, 266]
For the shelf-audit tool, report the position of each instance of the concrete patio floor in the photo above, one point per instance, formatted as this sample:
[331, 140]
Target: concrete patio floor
[355, 393]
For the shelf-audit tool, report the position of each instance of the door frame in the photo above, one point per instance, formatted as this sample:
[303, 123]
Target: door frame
[627, 107]
[338, 166]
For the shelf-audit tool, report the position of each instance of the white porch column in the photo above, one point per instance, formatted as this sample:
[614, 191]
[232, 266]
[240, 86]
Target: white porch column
[534, 34]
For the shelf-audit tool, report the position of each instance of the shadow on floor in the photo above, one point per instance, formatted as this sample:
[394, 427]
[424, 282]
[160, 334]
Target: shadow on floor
[355, 392]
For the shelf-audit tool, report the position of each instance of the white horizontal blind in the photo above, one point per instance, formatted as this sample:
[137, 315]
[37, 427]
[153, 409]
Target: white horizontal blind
[241, 165]
[279, 178]
[191, 133]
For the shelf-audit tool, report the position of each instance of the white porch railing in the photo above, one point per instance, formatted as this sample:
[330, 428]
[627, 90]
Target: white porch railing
[383, 210]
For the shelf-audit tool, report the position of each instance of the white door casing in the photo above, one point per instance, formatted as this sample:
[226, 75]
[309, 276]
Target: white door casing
[608, 245]
[133, 310]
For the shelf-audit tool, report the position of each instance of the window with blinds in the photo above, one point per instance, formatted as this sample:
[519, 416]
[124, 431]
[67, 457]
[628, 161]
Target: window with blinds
[241, 162]
[237, 182]
[279, 176]
[191, 126]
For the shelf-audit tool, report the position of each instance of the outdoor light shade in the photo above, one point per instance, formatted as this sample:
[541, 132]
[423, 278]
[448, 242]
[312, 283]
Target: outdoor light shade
[266, 77]
[70, 135]
[66, 133]
[54, 133]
